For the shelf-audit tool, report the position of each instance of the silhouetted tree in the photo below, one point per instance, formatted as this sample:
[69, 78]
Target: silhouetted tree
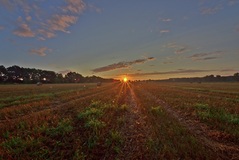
[236, 76]
[3, 73]
[73, 77]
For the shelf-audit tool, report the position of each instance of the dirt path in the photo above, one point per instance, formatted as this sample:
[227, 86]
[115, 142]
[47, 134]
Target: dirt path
[224, 150]
[135, 129]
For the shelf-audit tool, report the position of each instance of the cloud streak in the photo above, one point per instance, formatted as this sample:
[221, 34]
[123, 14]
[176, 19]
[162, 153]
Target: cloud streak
[121, 65]
[164, 31]
[179, 71]
[181, 50]
[206, 56]
[40, 51]
[212, 10]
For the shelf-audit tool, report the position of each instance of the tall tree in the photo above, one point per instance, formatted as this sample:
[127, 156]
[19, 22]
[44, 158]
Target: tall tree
[73, 77]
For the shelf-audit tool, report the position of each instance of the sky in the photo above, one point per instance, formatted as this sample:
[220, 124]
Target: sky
[142, 39]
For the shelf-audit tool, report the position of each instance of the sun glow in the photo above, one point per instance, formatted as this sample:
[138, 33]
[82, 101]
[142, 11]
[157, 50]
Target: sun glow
[125, 79]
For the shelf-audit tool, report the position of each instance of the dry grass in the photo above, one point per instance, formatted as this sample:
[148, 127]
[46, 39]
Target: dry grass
[73, 121]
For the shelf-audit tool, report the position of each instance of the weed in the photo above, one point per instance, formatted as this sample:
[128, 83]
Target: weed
[92, 141]
[94, 124]
[206, 113]
[6, 134]
[116, 137]
[121, 120]
[152, 145]
[62, 128]
[14, 145]
[22, 125]
[124, 107]
[156, 110]
[79, 155]
[90, 113]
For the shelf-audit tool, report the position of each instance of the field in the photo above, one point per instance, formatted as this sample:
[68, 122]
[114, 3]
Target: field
[143, 120]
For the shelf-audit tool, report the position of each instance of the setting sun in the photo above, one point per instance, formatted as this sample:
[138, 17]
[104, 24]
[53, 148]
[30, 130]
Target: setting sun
[125, 79]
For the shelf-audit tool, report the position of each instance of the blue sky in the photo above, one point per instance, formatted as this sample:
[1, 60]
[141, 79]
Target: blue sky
[144, 39]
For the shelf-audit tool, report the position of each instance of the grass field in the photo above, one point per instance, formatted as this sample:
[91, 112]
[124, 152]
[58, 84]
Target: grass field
[120, 121]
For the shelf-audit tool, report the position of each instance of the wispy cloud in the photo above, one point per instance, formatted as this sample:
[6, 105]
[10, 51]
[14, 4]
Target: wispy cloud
[74, 6]
[171, 45]
[179, 71]
[228, 70]
[181, 50]
[61, 22]
[33, 23]
[164, 31]
[1, 27]
[8, 4]
[40, 51]
[46, 33]
[178, 49]
[206, 56]
[120, 65]
[166, 19]
[23, 30]
[232, 2]
[212, 10]
[94, 8]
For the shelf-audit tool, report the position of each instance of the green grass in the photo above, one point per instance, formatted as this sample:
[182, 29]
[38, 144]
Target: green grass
[61, 129]
[216, 114]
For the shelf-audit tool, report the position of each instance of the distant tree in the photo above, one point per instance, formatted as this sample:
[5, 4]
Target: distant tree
[236, 76]
[59, 78]
[15, 74]
[3, 73]
[73, 77]
[47, 76]
[209, 78]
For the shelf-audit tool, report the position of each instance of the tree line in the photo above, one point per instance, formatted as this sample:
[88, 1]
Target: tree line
[16, 74]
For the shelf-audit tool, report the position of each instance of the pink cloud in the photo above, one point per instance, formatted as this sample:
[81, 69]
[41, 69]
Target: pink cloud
[23, 30]
[74, 6]
[46, 33]
[61, 22]
[41, 51]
